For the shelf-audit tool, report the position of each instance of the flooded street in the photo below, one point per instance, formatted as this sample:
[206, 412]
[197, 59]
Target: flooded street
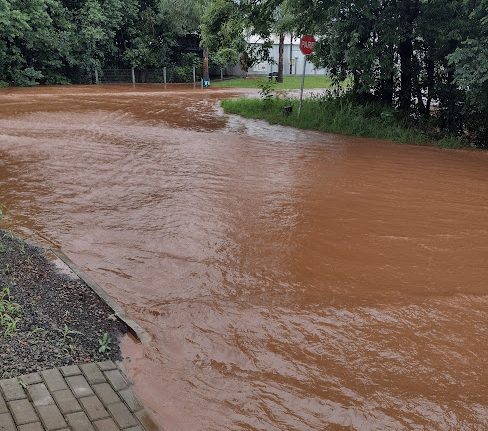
[291, 280]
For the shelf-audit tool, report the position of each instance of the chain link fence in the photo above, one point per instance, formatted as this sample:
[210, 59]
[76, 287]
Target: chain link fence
[164, 75]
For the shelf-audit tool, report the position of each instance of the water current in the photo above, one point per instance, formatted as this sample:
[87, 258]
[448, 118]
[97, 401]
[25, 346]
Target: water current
[291, 280]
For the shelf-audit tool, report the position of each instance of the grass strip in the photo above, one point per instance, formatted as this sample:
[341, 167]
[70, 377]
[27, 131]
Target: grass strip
[289, 82]
[338, 115]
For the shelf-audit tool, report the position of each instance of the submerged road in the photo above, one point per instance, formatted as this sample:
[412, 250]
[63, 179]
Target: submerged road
[292, 280]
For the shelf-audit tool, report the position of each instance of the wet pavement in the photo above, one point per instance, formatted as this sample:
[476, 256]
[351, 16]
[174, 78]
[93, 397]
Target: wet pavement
[291, 280]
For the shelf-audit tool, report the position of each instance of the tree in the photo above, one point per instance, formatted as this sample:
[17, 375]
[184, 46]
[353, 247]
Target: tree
[470, 60]
[222, 31]
[54, 41]
[284, 23]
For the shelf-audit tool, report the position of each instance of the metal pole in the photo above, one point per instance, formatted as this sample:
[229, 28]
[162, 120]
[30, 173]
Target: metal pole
[96, 76]
[194, 75]
[164, 75]
[133, 76]
[301, 89]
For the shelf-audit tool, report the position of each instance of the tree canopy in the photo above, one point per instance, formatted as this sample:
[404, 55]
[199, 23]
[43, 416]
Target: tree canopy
[59, 41]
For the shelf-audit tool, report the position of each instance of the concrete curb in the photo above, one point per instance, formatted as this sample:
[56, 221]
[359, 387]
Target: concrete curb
[50, 246]
[134, 328]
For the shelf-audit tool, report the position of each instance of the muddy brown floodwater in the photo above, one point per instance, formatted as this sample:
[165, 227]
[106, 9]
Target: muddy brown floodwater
[292, 280]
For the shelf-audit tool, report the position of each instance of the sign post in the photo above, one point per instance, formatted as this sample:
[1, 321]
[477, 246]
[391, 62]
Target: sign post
[307, 43]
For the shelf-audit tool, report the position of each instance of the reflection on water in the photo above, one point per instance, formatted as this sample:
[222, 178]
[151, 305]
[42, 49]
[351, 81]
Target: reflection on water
[291, 280]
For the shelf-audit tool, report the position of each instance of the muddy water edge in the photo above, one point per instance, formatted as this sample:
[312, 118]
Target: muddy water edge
[291, 280]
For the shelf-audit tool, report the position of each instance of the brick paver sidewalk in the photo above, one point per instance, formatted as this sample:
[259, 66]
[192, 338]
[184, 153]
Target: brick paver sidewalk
[89, 397]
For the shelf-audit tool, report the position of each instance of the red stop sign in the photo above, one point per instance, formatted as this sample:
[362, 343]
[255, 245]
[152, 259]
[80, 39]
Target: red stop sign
[307, 43]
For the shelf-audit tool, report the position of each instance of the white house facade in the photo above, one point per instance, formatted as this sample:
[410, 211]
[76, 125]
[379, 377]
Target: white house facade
[293, 58]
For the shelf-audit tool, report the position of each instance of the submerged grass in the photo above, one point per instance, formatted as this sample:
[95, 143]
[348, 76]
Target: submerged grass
[337, 115]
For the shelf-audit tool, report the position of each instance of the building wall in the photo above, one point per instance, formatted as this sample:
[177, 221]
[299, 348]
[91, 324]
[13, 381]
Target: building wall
[297, 59]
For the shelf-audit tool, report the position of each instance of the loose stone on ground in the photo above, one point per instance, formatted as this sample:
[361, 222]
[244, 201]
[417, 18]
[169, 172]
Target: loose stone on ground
[60, 318]
[89, 397]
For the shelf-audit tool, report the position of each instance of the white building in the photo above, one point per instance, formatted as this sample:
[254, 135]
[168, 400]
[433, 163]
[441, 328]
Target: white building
[292, 59]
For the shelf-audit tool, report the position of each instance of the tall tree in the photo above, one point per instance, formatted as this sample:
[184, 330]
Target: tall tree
[222, 31]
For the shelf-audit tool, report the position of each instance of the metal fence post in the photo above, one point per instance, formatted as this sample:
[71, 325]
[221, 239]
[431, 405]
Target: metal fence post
[96, 76]
[133, 76]
[164, 75]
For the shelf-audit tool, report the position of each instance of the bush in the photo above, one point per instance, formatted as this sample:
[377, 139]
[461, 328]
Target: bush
[180, 74]
[28, 77]
[56, 79]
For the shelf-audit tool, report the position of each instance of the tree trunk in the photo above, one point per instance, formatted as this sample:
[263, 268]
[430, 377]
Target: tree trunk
[205, 71]
[405, 51]
[291, 53]
[281, 49]
[430, 84]
[387, 81]
[355, 85]
[409, 11]
[387, 88]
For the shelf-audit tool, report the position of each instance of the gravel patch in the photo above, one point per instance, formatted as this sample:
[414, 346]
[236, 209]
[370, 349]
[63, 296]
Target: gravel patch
[59, 320]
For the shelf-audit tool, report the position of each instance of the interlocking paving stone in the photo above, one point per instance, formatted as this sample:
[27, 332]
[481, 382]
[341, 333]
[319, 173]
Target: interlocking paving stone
[107, 365]
[70, 391]
[6, 422]
[79, 386]
[123, 417]
[66, 401]
[22, 411]
[130, 399]
[106, 393]
[106, 425]
[116, 379]
[3, 405]
[54, 380]
[39, 395]
[12, 390]
[70, 370]
[35, 426]
[51, 417]
[94, 408]
[31, 379]
[79, 422]
[92, 373]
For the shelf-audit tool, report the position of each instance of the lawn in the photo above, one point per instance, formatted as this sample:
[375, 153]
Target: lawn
[289, 82]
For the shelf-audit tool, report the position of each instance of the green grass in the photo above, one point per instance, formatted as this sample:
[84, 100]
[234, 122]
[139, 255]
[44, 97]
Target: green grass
[339, 116]
[289, 82]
